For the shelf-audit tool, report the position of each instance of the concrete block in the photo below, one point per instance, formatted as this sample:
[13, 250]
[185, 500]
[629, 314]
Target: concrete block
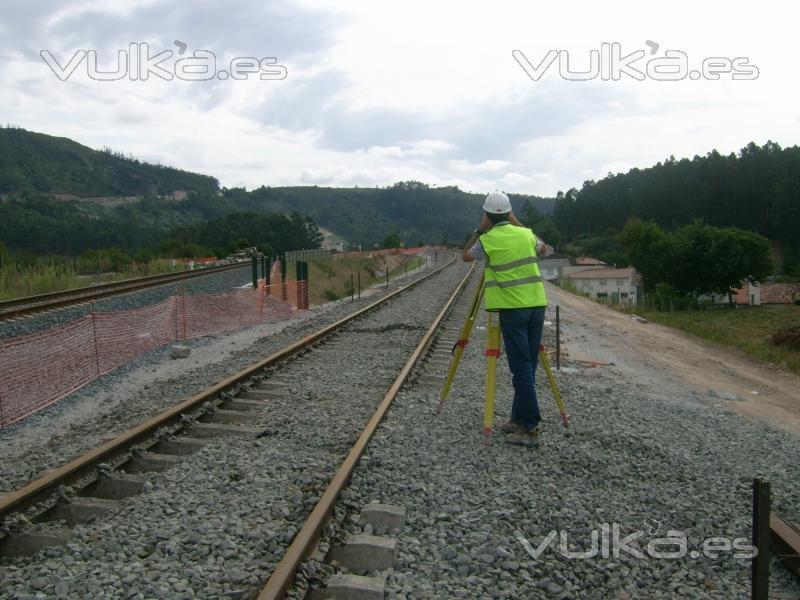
[222, 415]
[353, 587]
[80, 510]
[243, 404]
[181, 446]
[29, 543]
[114, 488]
[213, 430]
[384, 516]
[260, 394]
[150, 461]
[366, 552]
[178, 351]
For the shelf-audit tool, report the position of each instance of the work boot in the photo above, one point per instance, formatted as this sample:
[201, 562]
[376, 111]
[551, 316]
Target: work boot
[526, 437]
[511, 427]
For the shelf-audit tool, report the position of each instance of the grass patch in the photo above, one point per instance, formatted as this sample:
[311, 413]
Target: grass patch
[330, 279]
[748, 329]
[19, 281]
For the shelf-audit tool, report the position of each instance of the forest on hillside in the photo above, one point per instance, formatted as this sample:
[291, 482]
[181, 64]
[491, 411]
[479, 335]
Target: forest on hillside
[35, 162]
[756, 189]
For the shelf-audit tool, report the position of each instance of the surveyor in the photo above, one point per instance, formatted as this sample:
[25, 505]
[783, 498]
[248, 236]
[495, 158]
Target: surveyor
[514, 289]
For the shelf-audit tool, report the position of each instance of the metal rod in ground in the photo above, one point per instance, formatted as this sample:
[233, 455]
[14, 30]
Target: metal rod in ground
[352, 288]
[268, 262]
[761, 535]
[359, 283]
[558, 338]
[562, 409]
[254, 263]
[492, 352]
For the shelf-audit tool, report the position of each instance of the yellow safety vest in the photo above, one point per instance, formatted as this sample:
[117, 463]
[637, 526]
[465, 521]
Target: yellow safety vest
[512, 278]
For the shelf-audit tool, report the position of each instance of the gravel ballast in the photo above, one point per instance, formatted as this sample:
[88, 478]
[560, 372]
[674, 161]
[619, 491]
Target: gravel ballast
[640, 455]
[216, 524]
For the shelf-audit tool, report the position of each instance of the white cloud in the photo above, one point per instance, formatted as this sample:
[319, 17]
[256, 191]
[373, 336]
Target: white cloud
[383, 92]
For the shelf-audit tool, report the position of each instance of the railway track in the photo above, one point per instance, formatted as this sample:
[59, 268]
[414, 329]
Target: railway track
[21, 307]
[261, 460]
[54, 509]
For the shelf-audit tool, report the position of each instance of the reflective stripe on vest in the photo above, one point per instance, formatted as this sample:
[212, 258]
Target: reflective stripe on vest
[513, 282]
[512, 278]
[515, 263]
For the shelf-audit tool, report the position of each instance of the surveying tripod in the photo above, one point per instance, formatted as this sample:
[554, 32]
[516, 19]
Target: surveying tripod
[492, 353]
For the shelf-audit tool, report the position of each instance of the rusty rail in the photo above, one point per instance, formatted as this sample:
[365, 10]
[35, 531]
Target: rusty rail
[306, 540]
[11, 309]
[785, 542]
[41, 488]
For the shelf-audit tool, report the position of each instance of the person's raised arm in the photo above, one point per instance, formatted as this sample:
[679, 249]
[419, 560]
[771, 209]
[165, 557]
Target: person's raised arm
[486, 225]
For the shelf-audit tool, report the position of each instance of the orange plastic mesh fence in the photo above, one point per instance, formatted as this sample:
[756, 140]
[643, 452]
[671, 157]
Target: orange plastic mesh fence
[41, 368]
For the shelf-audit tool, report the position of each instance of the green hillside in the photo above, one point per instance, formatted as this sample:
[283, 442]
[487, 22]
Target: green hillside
[35, 162]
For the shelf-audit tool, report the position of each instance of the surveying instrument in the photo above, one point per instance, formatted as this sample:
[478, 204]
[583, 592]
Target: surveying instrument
[492, 352]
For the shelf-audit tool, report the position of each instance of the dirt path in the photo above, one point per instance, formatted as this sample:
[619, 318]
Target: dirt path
[657, 355]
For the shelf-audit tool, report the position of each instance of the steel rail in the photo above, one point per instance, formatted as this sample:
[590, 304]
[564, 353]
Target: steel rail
[785, 542]
[11, 309]
[41, 488]
[307, 538]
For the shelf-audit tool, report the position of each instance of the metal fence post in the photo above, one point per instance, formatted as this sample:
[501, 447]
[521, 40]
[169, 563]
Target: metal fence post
[558, 338]
[761, 535]
[352, 288]
[254, 265]
[359, 283]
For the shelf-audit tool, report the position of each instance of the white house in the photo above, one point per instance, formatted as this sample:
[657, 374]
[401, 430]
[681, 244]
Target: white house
[616, 285]
[550, 268]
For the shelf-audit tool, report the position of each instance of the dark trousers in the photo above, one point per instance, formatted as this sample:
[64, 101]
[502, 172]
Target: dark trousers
[522, 335]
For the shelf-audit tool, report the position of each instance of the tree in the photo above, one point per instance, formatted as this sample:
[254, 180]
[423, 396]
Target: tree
[392, 241]
[5, 256]
[696, 259]
[547, 230]
[649, 251]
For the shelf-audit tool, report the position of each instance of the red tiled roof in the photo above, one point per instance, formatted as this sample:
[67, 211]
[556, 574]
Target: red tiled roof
[583, 261]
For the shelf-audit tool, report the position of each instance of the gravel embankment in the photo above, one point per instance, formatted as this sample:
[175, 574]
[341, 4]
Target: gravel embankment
[646, 456]
[215, 525]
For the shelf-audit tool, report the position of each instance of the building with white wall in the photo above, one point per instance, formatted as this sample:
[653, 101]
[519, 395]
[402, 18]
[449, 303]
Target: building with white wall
[620, 286]
[550, 268]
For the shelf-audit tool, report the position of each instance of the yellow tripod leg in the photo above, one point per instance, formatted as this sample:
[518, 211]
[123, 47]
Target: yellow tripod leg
[545, 360]
[492, 352]
[461, 344]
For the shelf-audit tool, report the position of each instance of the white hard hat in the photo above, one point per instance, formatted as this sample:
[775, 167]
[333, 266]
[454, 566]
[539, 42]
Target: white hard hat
[497, 203]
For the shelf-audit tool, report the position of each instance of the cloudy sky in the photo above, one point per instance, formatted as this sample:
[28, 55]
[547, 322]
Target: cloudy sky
[378, 92]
